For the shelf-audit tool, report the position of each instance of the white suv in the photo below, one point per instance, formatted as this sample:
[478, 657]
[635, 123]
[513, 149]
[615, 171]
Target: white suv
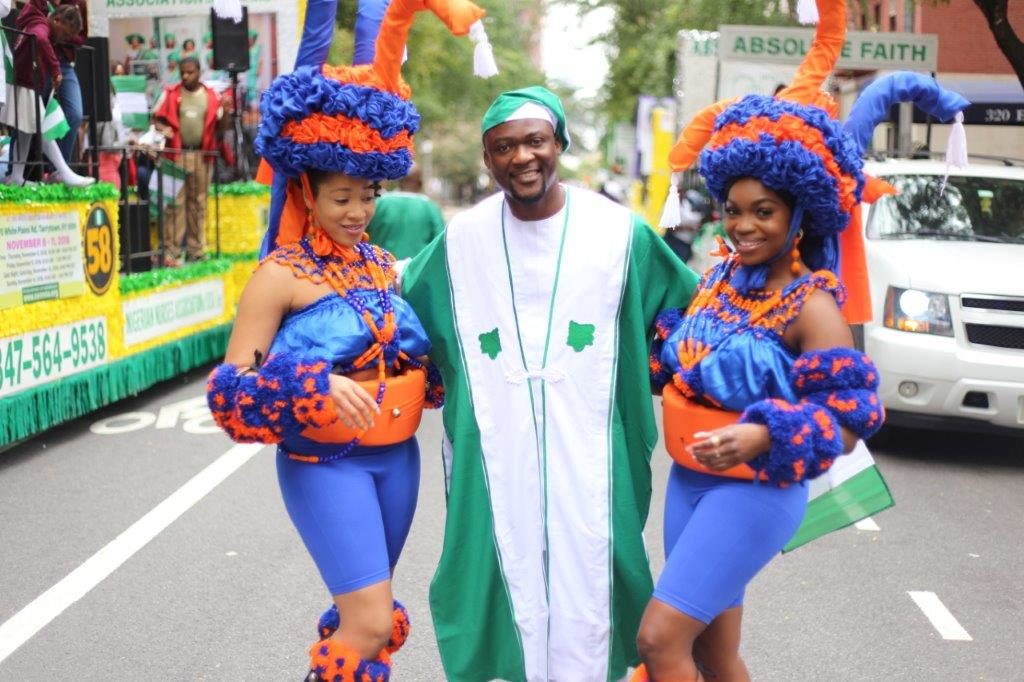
[947, 289]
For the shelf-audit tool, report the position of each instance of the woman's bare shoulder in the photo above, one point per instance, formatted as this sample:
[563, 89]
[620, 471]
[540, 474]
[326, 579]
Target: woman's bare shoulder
[821, 323]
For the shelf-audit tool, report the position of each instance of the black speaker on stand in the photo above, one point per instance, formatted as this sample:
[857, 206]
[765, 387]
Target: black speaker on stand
[230, 42]
[91, 67]
[136, 245]
[91, 62]
[231, 54]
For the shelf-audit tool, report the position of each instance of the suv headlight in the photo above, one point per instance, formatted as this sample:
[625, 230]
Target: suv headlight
[912, 310]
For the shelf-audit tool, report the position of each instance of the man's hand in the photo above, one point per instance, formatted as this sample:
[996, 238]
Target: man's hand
[57, 80]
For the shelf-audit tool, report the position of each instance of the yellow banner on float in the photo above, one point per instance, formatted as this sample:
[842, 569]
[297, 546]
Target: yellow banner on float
[77, 335]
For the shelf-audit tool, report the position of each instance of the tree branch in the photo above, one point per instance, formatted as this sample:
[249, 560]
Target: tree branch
[1006, 38]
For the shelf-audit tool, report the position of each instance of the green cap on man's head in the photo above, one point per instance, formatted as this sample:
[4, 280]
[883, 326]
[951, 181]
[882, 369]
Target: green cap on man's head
[532, 102]
[134, 36]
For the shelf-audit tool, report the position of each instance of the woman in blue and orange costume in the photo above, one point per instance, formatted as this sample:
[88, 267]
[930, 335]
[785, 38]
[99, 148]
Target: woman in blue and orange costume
[325, 359]
[762, 388]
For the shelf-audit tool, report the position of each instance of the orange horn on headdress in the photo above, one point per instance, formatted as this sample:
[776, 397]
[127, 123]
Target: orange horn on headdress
[695, 136]
[457, 15]
[805, 89]
[823, 55]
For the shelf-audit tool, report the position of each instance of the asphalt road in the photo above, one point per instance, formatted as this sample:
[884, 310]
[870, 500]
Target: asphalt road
[139, 543]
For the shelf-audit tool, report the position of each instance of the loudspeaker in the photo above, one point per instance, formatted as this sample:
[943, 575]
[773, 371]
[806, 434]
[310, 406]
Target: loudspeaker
[133, 230]
[92, 68]
[230, 42]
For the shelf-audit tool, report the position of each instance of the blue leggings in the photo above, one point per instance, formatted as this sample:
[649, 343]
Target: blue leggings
[719, 533]
[354, 513]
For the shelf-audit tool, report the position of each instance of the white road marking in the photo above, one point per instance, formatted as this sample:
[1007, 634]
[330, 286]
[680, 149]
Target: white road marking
[23, 625]
[123, 423]
[939, 615]
[867, 524]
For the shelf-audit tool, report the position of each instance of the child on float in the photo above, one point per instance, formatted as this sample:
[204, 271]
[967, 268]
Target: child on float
[762, 387]
[325, 359]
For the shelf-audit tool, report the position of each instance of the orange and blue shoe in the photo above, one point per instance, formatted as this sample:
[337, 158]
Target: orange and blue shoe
[332, 661]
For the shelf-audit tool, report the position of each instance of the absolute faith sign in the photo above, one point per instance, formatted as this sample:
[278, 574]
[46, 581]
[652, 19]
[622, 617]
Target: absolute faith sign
[861, 50]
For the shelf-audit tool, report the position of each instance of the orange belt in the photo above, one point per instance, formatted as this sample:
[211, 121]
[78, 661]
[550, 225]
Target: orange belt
[399, 416]
[683, 418]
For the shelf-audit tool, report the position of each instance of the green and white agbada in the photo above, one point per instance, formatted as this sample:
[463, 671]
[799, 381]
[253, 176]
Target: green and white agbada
[541, 330]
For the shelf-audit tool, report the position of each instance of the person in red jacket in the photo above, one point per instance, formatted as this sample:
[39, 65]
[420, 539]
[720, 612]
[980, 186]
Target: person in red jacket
[189, 115]
[33, 87]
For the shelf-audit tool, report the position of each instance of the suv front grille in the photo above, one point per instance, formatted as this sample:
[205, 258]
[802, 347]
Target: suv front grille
[1014, 305]
[993, 335]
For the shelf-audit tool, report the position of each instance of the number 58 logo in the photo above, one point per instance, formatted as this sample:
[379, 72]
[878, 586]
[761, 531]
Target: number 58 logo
[99, 250]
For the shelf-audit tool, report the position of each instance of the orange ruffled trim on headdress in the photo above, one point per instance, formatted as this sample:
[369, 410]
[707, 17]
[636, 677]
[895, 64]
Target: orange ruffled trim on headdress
[368, 76]
[791, 128]
[353, 133]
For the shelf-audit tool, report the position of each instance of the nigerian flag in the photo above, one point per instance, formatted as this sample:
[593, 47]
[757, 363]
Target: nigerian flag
[8, 66]
[541, 337]
[8, 59]
[166, 183]
[55, 126]
[131, 98]
[851, 490]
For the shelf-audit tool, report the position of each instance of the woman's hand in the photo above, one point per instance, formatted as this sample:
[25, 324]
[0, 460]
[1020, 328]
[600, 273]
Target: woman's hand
[730, 446]
[356, 407]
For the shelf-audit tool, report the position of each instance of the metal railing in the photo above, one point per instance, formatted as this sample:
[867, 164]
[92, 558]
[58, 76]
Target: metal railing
[134, 208]
[167, 197]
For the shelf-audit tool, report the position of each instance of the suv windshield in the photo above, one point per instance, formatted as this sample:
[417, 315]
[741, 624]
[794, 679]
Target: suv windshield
[971, 209]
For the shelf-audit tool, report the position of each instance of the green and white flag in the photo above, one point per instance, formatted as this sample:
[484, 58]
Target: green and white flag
[131, 98]
[8, 59]
[55, 126]
[173, 179]
[853, 489]
[8, 67]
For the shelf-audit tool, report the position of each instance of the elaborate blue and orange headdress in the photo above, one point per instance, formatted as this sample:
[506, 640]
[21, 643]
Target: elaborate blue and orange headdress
[356, 120]
[793, 143]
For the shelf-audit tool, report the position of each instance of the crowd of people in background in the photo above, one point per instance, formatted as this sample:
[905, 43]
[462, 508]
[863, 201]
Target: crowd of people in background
[188, 105]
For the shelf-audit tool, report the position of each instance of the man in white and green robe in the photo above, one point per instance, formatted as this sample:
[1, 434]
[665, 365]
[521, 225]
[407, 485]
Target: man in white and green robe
[539, 303]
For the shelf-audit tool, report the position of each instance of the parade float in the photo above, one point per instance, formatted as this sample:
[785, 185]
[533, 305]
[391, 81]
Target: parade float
[75, 333]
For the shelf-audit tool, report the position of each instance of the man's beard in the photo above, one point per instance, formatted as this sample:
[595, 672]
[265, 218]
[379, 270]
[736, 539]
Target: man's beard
[533, 198]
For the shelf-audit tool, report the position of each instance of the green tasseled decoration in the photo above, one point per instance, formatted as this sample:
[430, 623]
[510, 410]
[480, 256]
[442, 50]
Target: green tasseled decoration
[45, 194]
[37, 409]
[143, 281]
[240, 189]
